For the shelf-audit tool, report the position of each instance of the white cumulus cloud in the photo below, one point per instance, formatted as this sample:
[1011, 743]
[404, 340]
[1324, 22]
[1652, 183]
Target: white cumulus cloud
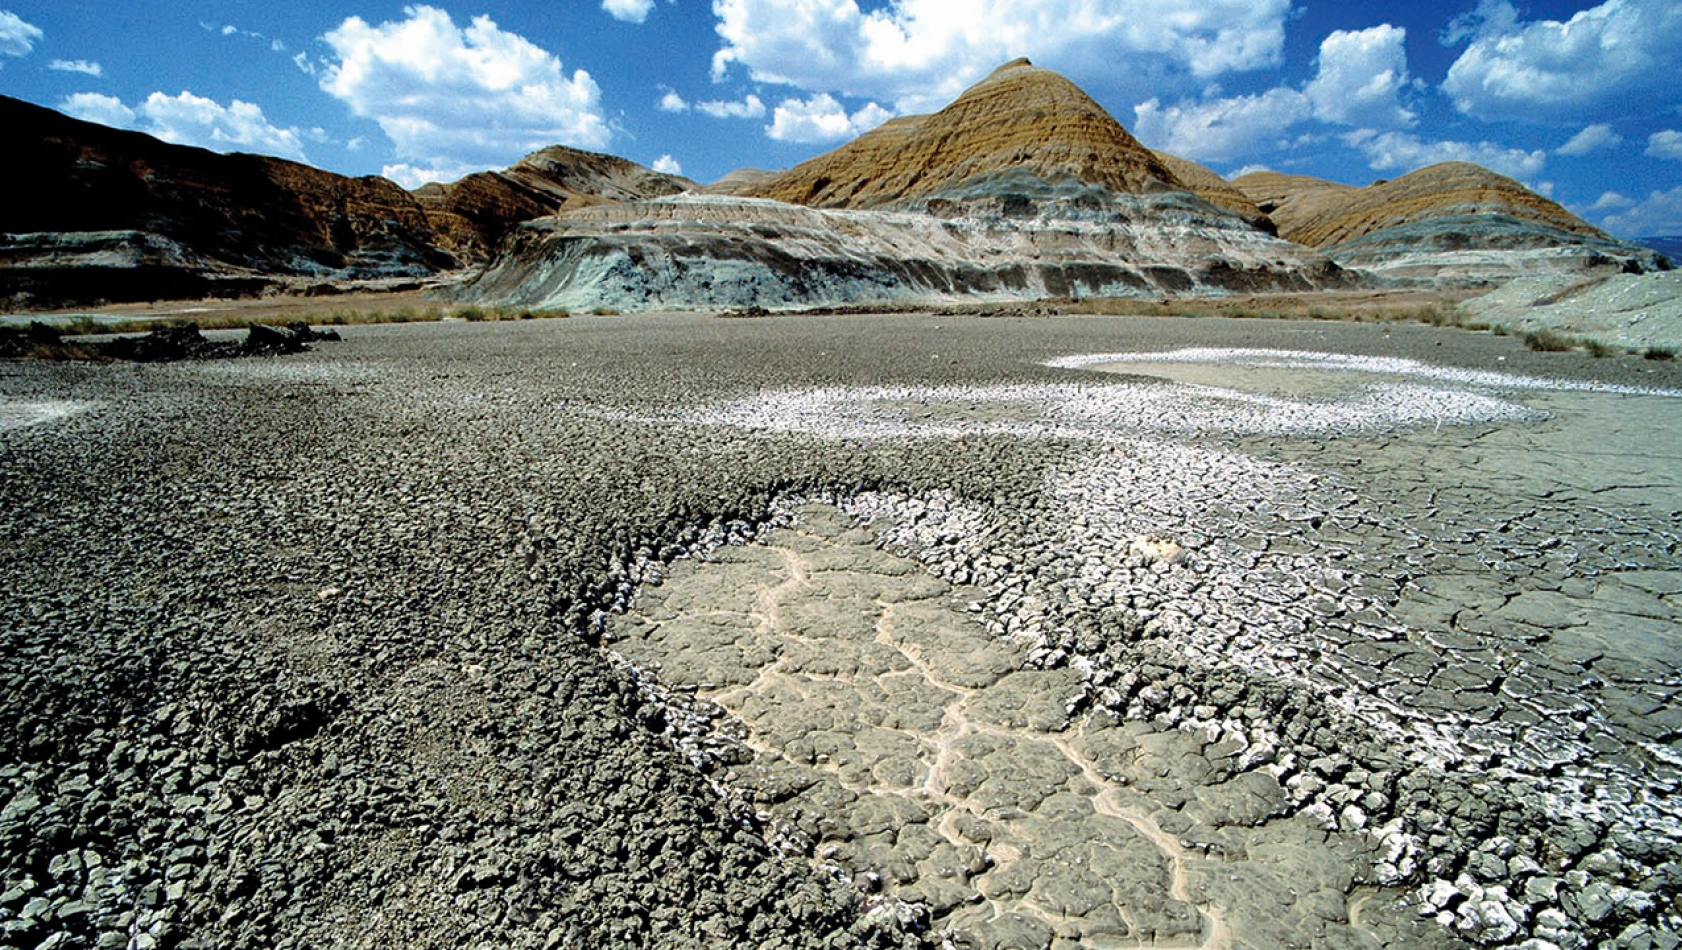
[919, 54]
[17, 37]
[82, 66]
[1659, 214]
[1405, 152]
[1224, 129]
[667, 165]
[1665, 144]
[1595, 60]
[822, 119]
[187, 119]
[413, 176]
[1488, 18]
[672, 102]
[449, 96]
[95, 107]
[1361, 79]
[749, 108]
[630, 11]
[1591, 138]
[1611, 201]
[1362, 76]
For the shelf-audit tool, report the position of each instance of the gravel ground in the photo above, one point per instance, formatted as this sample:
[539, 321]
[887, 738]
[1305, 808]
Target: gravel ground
[307, 650]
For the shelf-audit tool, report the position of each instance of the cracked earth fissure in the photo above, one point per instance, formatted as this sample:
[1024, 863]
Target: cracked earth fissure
[919, 753]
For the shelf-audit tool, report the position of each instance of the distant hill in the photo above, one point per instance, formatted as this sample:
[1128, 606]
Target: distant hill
[1454, 220]
[1020, 119]
[98, 213]
[1023, 188]
[480, 208]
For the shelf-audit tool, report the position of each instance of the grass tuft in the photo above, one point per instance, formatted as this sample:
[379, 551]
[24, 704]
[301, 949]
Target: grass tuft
[1663, 353]
[1548, 341]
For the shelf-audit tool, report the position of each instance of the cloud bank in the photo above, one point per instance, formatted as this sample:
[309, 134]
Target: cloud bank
[1596, 60]
[919, 54]
[187, 119]
[450, 97]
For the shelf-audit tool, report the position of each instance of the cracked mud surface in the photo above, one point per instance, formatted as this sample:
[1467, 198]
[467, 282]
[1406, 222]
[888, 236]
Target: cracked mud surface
[1493, 603]
[306, 652]
[911, 747]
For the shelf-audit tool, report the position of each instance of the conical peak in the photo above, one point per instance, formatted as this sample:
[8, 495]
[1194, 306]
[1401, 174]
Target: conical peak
[1021, 118]
[1018, 63]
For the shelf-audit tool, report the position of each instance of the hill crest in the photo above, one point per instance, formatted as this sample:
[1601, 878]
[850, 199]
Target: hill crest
[1021, 118]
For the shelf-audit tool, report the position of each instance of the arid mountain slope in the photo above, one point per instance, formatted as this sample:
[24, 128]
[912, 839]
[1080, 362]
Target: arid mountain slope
[1022, 188]
[1019, 119]
[708, 251]
[105, 214]
[1455, 222]
[739, 182]
[1290, 200]
[1330, 214]
[476, 211]
[122, 215]
[1211, 187]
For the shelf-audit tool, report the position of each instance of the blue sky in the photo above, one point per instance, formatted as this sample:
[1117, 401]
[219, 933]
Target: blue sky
[1578, 100]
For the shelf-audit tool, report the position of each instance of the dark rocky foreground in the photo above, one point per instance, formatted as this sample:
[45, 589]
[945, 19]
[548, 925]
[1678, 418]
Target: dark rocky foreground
[304, 652]
[178, 341]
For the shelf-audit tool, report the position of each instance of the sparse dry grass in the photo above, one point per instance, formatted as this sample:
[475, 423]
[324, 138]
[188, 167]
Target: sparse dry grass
[1549, 341]
[240, 318]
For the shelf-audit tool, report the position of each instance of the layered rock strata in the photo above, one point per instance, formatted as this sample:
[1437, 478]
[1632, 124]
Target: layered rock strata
[478, 210]
[1003, 238]
[1023, 187]
[1455, 221]
[1020, 118]
[104, 213]
[1211, 187]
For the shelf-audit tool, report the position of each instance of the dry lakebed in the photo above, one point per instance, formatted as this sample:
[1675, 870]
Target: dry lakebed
[851, 631]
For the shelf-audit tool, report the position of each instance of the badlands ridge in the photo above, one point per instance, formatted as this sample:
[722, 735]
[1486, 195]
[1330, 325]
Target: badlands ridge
[1022, 188]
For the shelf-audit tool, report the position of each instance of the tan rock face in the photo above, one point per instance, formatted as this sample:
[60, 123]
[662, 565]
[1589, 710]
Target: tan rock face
[475, 212]
[1021, 118]
[1455, 223]
[1321, 213]
[1292, 200]
[740, 182]
[1211, 187]
[244, 210]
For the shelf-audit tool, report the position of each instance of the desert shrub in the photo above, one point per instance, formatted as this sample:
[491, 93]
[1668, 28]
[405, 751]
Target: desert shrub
[1548, 341]
[1597, 349]
[1659, 353]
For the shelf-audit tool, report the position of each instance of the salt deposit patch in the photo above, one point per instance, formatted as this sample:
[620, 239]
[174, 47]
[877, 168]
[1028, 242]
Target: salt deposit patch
[1389, 597]
[1345, 363]
[18, 414]
[1103, 412]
